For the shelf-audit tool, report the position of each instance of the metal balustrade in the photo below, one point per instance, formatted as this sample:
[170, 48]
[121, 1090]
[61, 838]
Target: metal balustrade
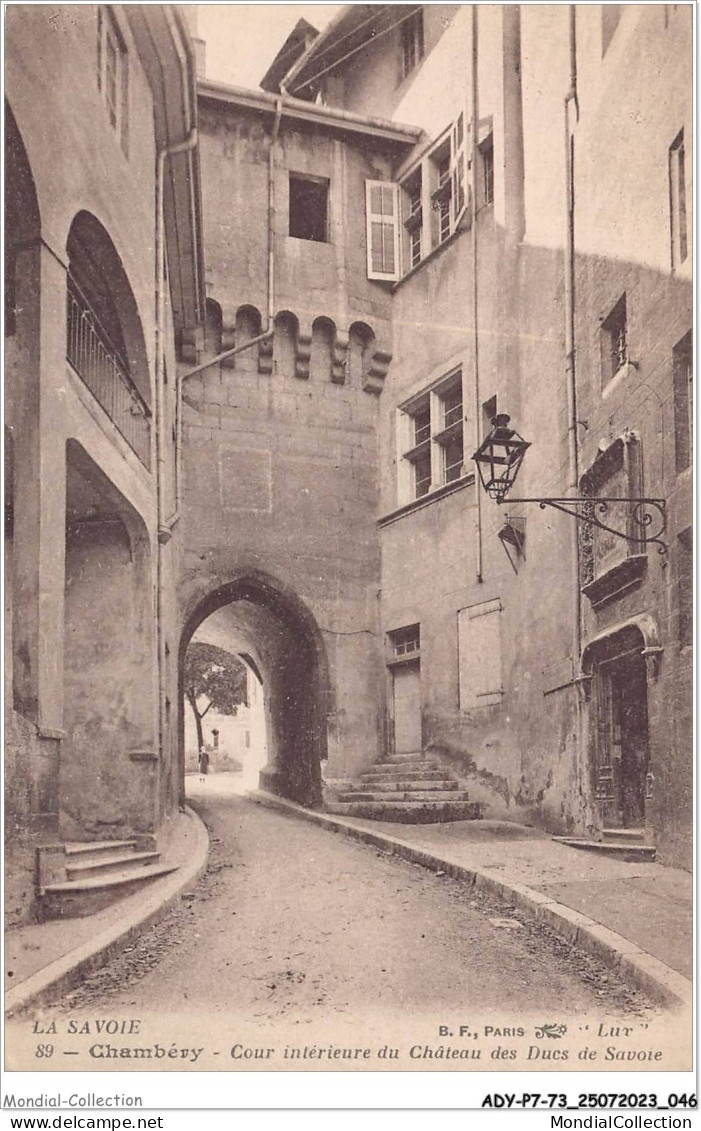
[97, 363]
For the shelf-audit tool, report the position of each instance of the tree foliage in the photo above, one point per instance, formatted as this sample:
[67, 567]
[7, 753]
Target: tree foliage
[216, 676]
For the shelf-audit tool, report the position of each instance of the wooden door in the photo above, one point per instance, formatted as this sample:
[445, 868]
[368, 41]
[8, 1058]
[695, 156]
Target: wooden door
[622, 757]
[407, 708]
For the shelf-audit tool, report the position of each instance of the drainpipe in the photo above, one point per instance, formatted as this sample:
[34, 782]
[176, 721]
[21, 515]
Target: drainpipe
[570, 359]
[163, 155]
[271, 212]
[264, 336]
[159, 416]
[475, 296]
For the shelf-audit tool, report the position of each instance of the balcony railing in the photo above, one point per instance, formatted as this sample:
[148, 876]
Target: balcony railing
[97, 362]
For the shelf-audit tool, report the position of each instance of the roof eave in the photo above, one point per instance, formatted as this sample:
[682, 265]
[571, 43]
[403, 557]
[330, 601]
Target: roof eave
[326, 117]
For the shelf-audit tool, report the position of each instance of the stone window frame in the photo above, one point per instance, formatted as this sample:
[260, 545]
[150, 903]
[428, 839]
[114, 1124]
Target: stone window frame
[411, 43]
[114, 90]
[430, 425]
[442, 172]
[614, 341]
[321, 183]
[624, 453]
[678, 212]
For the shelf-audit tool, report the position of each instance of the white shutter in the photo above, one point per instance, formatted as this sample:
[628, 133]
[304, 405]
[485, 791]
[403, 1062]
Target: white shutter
[382, 231]
[458, 169]
[479, 655]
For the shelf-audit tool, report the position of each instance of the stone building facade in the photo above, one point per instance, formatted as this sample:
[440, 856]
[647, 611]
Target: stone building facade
[542, 660]
[101, 282]
[398, 243]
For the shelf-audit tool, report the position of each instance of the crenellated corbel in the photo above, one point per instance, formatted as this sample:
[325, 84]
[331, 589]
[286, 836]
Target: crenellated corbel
[374, 375]
[228, 335]
[304, 351]
[339, 359]
[191, 344]
[265, 356]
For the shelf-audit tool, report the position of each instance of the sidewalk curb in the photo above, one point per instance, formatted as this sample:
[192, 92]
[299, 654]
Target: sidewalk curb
[632, 964]
[66, 971]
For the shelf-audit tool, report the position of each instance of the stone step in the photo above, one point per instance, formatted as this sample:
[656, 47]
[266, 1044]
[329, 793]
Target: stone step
[453, 794]
[389, 784]
[396, 773]
[77, 871]
[75, 899]
[390, 767]
[409, 812]
[625, 836]
[98, 850]
[628, 852]
[416, 756]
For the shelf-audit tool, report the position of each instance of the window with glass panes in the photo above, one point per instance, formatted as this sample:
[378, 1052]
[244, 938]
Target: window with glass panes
[413, 221]
[406, 640]
[412, 41]
[433, 446]
[113, 74]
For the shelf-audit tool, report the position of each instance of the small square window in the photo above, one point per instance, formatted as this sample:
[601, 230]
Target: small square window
[614, 340]
[309, 204]
[407, 640]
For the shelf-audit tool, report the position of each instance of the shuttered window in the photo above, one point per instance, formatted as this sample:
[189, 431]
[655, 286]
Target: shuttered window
[458, 167]
[381, 206]
[479, 653]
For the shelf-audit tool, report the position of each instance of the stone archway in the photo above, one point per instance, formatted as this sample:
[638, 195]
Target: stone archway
[272, 623]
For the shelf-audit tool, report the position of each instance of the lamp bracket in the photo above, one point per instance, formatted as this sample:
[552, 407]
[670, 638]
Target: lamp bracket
[648, 517]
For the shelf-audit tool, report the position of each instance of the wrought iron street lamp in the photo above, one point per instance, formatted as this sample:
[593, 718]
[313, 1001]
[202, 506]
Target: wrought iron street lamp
[499, 458]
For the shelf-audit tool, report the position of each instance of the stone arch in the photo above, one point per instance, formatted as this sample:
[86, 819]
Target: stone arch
[22, 218]
[22, 254]
[323, 344]
[361, 348]
[271, 622]
[285, 342]
[248, 325]
[639, 631]
[212, 328]
[99, 285]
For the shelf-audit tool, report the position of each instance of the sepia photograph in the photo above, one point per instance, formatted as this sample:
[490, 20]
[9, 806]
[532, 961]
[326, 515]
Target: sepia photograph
[348, 573]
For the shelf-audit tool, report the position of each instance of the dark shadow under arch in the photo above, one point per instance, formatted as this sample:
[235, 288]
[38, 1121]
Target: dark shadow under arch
[22, 220]
[297, 683]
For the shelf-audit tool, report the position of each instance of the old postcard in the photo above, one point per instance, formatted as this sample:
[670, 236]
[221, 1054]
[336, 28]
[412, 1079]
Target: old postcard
[348, 542]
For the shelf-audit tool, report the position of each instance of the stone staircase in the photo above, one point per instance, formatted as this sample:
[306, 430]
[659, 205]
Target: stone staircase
[75, 880]
[623, 844]
[407, 788]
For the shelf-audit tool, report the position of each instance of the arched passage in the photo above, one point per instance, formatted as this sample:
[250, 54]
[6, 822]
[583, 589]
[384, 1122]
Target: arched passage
[267, 622]
[108, 766]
